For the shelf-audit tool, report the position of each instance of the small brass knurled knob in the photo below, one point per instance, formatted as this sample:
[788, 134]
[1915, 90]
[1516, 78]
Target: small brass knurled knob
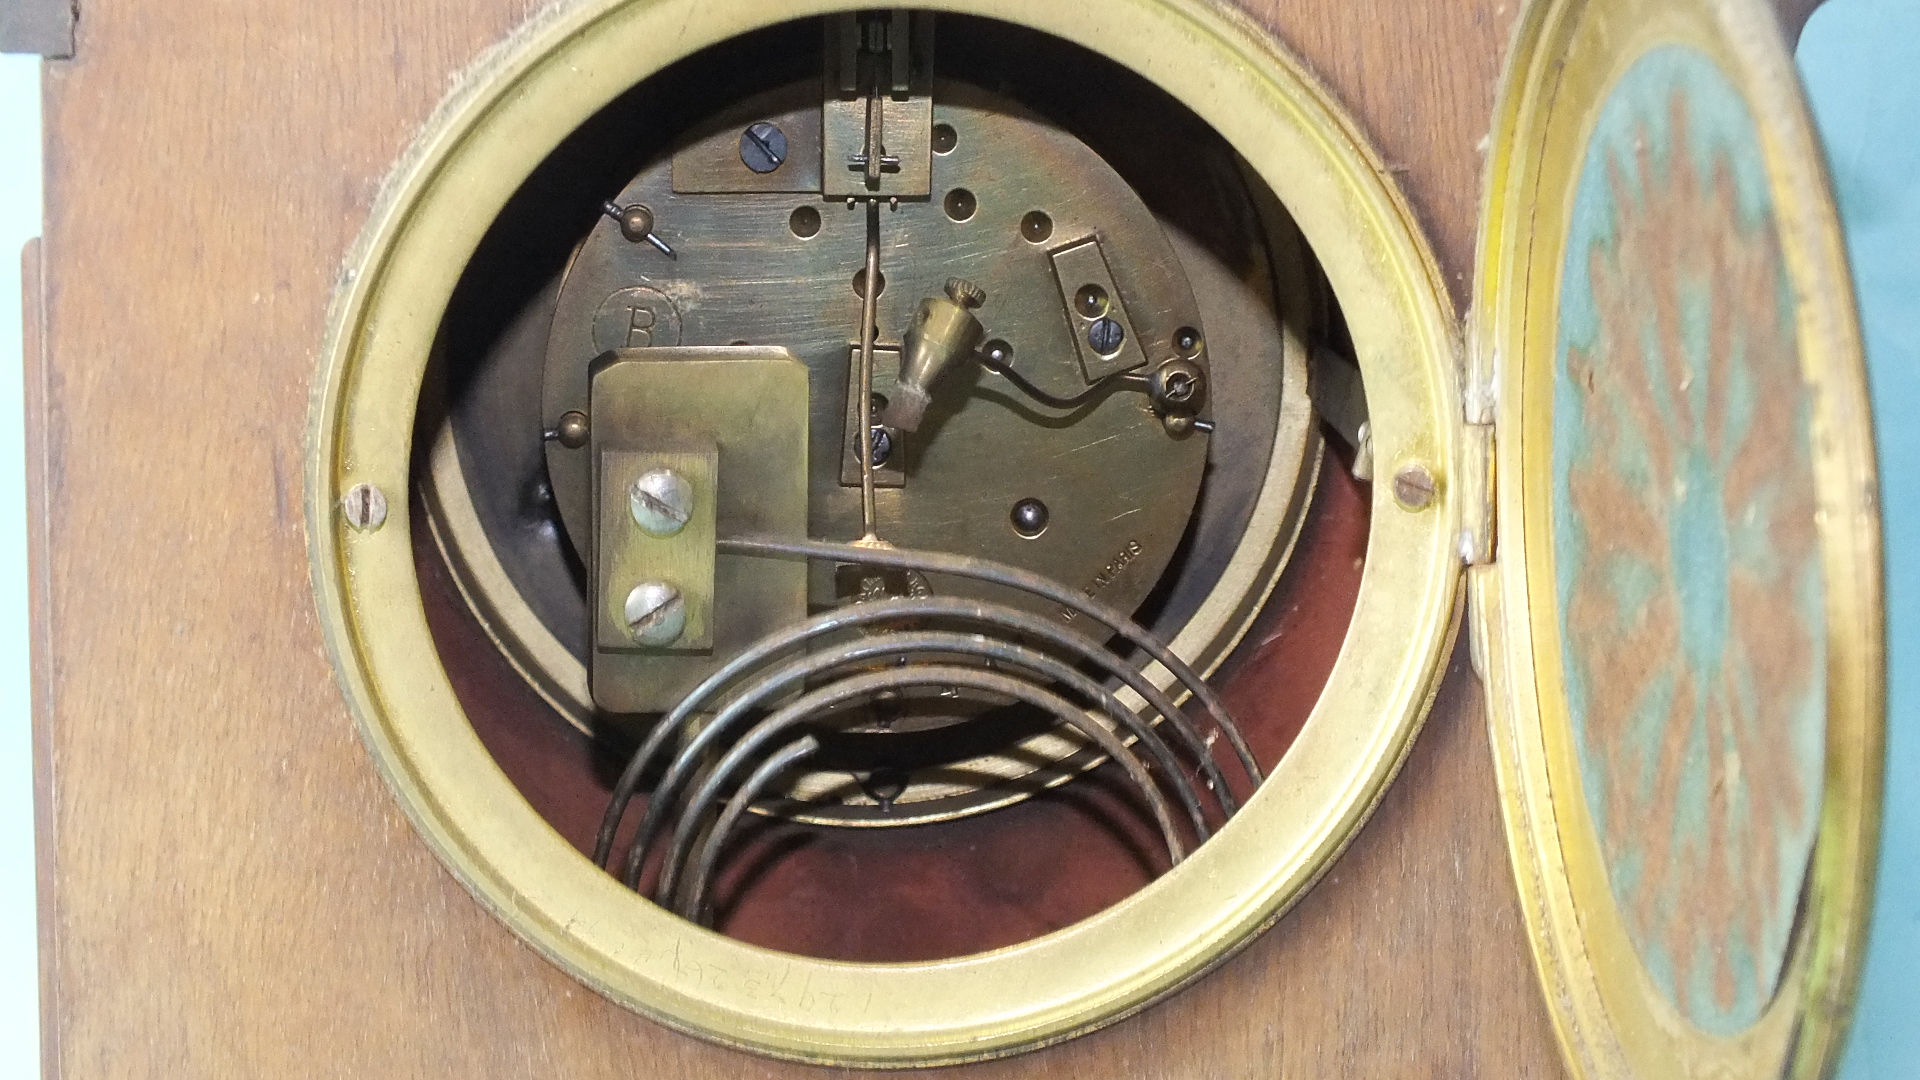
[965, 293]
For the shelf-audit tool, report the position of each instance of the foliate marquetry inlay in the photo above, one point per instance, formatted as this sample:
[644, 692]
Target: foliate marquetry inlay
[1687, 553]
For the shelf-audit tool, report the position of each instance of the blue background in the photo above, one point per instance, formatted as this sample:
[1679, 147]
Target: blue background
[1861, 61]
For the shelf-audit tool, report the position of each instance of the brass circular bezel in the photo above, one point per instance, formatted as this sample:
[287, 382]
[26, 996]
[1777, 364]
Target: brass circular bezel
[508, 115]
[1613, 1021]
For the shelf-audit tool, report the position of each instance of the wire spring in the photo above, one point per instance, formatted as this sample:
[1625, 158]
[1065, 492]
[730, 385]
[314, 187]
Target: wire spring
[990, 649]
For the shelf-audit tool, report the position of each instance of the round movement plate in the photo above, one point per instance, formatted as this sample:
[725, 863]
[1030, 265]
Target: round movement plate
[1221, 277]
[1014, 200]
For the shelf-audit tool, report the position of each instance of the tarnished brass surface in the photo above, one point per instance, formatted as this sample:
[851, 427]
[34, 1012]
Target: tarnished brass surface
[1118, 486]
[433, 216]
[708, 161]
[745, 408]
[1089, 294]
[1113, 479]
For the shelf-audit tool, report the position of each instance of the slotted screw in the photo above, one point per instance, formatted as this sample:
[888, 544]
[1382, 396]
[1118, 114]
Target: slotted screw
[1105, 335]
[365, 507]
[656, 613]
[661, 502]
[763, 147]
[1413, 487]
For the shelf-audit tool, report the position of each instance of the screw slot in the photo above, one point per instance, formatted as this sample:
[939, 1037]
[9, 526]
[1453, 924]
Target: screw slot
[1106, 336]
[656, 613]
[1180, 386]
[1414, 487]
[763, 147]
[882, 446]
[365, 507]
[661, 502]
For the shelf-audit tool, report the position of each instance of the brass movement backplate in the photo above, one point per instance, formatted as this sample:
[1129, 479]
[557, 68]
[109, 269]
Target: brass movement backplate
[1099, 481]
[780, 268]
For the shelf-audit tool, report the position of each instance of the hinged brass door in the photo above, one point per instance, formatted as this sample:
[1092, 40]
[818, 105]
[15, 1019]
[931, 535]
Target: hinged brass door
[1681, 631]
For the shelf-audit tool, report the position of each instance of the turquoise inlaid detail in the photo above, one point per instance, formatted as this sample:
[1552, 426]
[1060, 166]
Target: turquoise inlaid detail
[1686, 552]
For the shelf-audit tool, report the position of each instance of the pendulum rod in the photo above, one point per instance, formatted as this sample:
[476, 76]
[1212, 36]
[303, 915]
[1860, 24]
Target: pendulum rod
[873, 156]
[869, 316]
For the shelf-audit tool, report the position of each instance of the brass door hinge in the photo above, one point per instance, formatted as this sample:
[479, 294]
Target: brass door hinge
[1476, 455]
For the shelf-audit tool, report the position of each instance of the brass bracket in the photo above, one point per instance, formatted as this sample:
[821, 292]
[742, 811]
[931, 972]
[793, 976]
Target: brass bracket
[711, 161]
[892, 472]
[730, 426]
[1093, 303]
[876, 122]
[1340, 397]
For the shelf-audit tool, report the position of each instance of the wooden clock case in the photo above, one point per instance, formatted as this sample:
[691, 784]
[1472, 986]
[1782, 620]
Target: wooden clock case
[226, 886]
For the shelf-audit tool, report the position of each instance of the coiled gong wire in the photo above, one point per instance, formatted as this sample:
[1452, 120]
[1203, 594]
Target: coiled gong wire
[721, 762]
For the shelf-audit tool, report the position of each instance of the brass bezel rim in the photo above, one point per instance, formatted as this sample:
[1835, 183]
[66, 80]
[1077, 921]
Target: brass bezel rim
[1613, 1023]
[505, 117]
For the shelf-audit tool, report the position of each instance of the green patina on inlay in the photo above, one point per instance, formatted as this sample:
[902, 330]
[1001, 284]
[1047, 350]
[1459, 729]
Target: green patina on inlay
[1686, 551]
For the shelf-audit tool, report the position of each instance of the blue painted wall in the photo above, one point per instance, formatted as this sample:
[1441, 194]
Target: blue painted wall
[1861, 60]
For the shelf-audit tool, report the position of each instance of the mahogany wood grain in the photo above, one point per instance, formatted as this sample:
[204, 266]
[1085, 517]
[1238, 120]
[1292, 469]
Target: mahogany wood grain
[229, 889]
